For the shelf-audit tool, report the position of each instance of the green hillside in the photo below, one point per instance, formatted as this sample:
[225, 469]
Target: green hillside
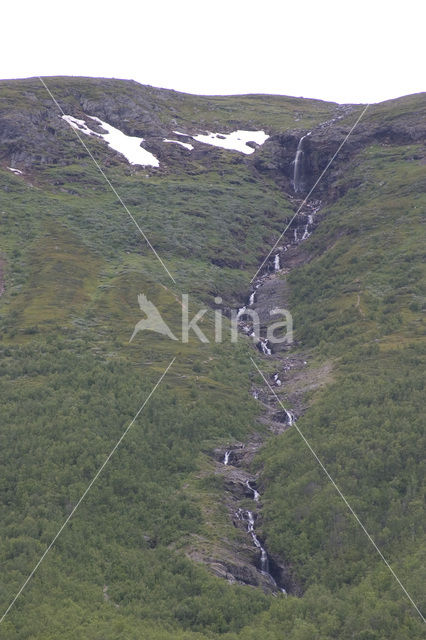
[154, 550]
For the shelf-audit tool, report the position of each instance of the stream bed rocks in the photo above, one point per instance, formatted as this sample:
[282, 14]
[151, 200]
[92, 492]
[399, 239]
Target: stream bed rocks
[283, 400]
[243, 502]
[291, 378]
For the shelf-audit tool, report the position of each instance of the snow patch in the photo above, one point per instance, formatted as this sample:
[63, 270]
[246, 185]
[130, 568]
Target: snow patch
[128, 146]
[235, 141]
[182, 144]
[17, 171]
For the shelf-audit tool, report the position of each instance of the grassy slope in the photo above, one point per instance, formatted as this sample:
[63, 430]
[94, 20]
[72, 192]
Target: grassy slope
[359, 302]
[74, 265]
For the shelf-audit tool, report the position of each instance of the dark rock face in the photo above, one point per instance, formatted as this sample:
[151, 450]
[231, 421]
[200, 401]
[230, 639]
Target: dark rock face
[236, 571]
[277, 155]
[283, 575]
[16, 132]
[241, 455]
[273, 293]
[33, 133]
[242, 561]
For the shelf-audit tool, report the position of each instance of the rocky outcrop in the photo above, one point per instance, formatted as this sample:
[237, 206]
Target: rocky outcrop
[245, 562]
[276, 157]
[240, 455]
[234, 564]
[233, 461]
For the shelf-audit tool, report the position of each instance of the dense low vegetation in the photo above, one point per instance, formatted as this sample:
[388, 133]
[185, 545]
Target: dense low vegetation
[71, 382]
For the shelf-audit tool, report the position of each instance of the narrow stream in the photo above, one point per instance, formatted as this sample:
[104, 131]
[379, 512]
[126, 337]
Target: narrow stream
[298, 173]
[277, 262]
[297, 233]
[248, 517]
[256, 494]
[300, 231]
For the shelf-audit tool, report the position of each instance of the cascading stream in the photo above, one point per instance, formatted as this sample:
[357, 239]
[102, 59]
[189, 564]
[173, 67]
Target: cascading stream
[248, 518]
[277, 262]
[290, 417]
[300, 232]
[298, 183]
[256, 494]
[264, 560]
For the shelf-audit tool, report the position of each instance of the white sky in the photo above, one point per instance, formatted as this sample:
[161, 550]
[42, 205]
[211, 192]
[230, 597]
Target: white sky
[360, 51]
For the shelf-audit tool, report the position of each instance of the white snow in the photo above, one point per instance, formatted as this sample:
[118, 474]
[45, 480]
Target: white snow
[80, 125]
[128, 146]
[235, 141]
[17, 171]
[183, 144]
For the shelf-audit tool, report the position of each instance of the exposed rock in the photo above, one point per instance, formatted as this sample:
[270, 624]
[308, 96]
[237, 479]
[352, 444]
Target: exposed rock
[238, 568]
[276, 156]
[236, 481]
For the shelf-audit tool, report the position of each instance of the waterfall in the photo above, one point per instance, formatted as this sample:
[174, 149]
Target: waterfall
[298, 166]
[256, 494]
[250, 527]
[306, 233]
[247, 519]
[264, 347]
[290, 417]
[264, 560]
[277, 262]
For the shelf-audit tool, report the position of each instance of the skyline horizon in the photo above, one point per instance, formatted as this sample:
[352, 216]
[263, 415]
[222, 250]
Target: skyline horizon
[212, 94]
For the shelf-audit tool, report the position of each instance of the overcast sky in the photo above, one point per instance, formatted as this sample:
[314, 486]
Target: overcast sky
[362, 51]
